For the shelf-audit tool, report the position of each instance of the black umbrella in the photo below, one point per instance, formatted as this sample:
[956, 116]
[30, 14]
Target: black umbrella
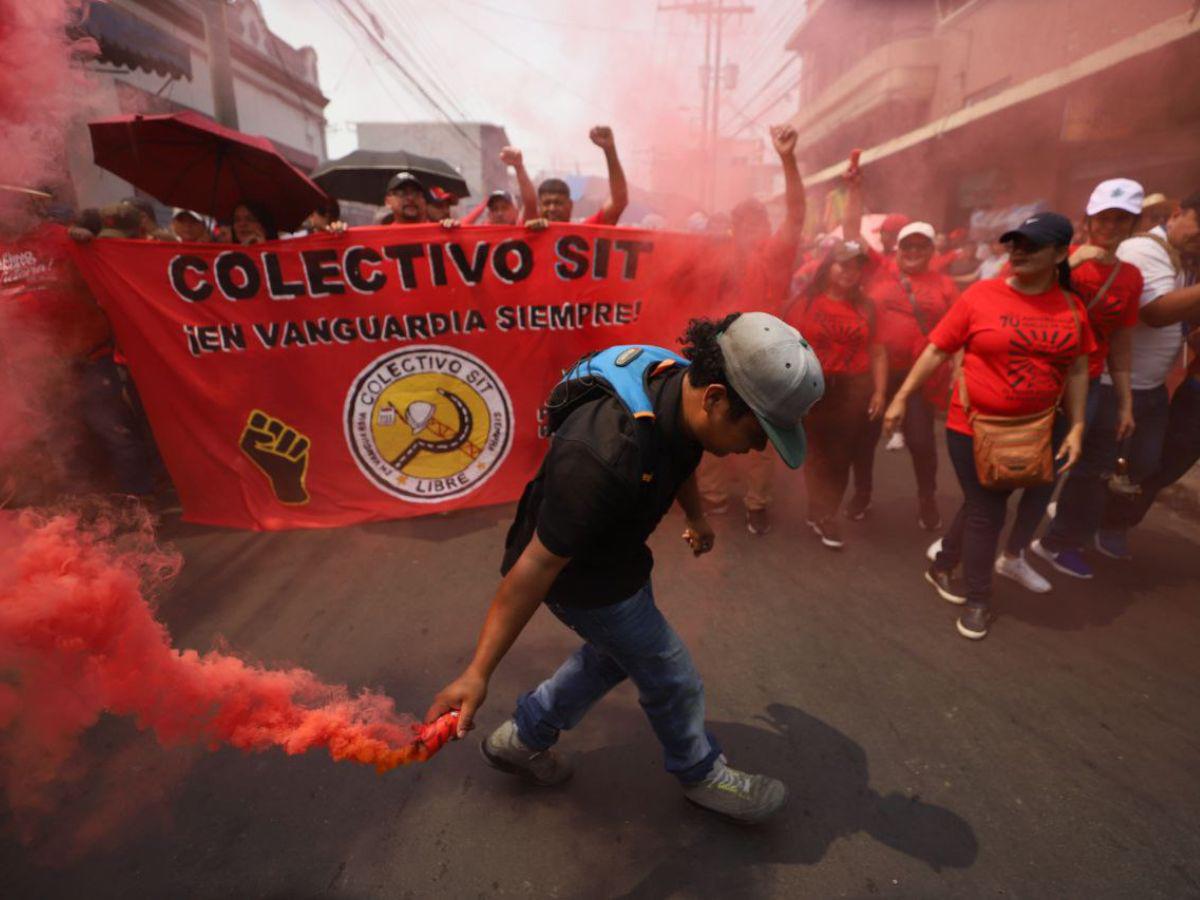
[364, 174]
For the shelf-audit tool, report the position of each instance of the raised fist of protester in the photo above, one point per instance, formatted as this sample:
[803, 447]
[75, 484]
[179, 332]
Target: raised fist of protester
[602, 137]
[784, 138]
[538, 224]
[465, 695]
[699, 535]
[853, 173]
[511, 156]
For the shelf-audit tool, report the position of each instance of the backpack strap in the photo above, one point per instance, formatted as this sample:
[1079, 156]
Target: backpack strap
[623, 372]
[1172, 253]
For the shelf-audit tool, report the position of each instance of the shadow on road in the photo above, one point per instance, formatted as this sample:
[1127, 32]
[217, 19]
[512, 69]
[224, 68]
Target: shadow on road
[1074, 605]
[830, 797]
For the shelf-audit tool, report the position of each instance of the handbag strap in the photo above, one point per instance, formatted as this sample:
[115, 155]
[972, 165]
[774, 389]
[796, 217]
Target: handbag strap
[965, 399]
[1108, 282]
[916, 308]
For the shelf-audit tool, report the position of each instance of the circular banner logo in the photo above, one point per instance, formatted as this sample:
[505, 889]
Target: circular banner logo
[428, 423]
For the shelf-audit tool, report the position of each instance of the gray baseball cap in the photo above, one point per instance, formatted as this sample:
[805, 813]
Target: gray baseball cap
[777, 373]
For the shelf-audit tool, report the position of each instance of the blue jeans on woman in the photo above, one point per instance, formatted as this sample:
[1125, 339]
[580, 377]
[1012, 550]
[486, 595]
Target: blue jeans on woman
[974, 534]
[1085, 493]
[628, 639]
[1180, 449]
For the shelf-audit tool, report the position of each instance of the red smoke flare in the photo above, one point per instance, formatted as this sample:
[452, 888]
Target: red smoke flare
[79, 638]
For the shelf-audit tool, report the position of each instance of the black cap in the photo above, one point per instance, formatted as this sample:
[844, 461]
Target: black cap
[499, 195]
[1043, 228]
[400, 179]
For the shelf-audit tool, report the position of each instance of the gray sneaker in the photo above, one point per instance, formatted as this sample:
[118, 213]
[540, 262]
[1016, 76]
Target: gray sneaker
[740, 796]
[504, 750]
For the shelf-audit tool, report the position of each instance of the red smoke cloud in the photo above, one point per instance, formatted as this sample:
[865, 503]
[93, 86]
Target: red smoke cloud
[39, 92]
[78, 638]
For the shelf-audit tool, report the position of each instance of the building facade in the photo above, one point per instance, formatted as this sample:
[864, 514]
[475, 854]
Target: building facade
[155, 58]
[965, 107]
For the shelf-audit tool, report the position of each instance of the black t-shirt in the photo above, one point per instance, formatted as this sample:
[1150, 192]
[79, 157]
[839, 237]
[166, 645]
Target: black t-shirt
[587, 501]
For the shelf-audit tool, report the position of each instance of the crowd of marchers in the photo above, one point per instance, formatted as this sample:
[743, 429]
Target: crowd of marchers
[1092, 313]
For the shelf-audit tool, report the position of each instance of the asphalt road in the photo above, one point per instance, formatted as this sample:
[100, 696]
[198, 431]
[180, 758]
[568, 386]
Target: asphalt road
[1057, 758]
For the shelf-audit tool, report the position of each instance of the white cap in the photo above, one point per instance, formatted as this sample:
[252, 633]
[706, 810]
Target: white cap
[778, 375]
[922, 228]
[1117, 193]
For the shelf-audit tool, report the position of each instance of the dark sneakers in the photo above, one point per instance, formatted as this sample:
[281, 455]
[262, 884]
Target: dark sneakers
[927, 513]
[973, 623]
[829, 533]
[758, 521]
[858, 507]
[949, 588]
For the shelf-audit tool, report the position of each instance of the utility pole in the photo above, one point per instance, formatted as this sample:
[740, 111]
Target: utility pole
[216, 26]
[715, 13]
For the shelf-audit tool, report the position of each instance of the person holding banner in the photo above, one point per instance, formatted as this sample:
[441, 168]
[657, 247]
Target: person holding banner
[554, 194]
[632, 424]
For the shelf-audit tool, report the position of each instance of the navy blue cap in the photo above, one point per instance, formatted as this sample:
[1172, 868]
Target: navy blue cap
[1043, 228]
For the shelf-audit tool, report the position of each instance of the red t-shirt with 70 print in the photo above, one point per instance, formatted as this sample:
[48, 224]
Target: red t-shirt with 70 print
[1018, 348]
[839, 333]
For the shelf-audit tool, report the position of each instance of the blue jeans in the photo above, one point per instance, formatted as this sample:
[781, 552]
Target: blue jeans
[629, 639]
[1180, 450]
[1085, 493]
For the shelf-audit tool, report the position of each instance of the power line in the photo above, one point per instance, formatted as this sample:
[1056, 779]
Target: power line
[758, 117]
[405, 25]
[400, 67]
[554, 80]
[616, 29]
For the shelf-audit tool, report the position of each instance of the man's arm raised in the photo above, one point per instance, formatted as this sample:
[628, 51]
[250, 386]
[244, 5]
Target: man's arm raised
[520, 593]
[784, 139]
[511, 156]
[852, 213]
[618, 190]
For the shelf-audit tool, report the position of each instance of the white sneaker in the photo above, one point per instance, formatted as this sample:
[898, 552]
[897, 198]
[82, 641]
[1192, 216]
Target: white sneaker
[1022, 573]
[895, 442]
[934, 549]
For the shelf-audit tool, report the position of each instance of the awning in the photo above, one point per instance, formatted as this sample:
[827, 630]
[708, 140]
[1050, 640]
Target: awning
[126, 40]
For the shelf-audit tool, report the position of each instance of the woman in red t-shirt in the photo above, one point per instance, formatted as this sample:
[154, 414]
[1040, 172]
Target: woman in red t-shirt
[839, 322]
[1025, 340]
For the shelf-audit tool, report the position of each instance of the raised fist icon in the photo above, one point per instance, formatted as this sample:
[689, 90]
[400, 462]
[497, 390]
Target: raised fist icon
[280, 452]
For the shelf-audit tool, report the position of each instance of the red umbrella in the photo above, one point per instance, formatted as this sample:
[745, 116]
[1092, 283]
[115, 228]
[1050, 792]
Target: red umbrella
[187, 160]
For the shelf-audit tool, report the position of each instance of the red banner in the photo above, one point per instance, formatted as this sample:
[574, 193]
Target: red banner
[383, 373]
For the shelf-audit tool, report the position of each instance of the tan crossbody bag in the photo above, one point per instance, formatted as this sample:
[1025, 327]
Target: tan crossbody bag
[1013, 451]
